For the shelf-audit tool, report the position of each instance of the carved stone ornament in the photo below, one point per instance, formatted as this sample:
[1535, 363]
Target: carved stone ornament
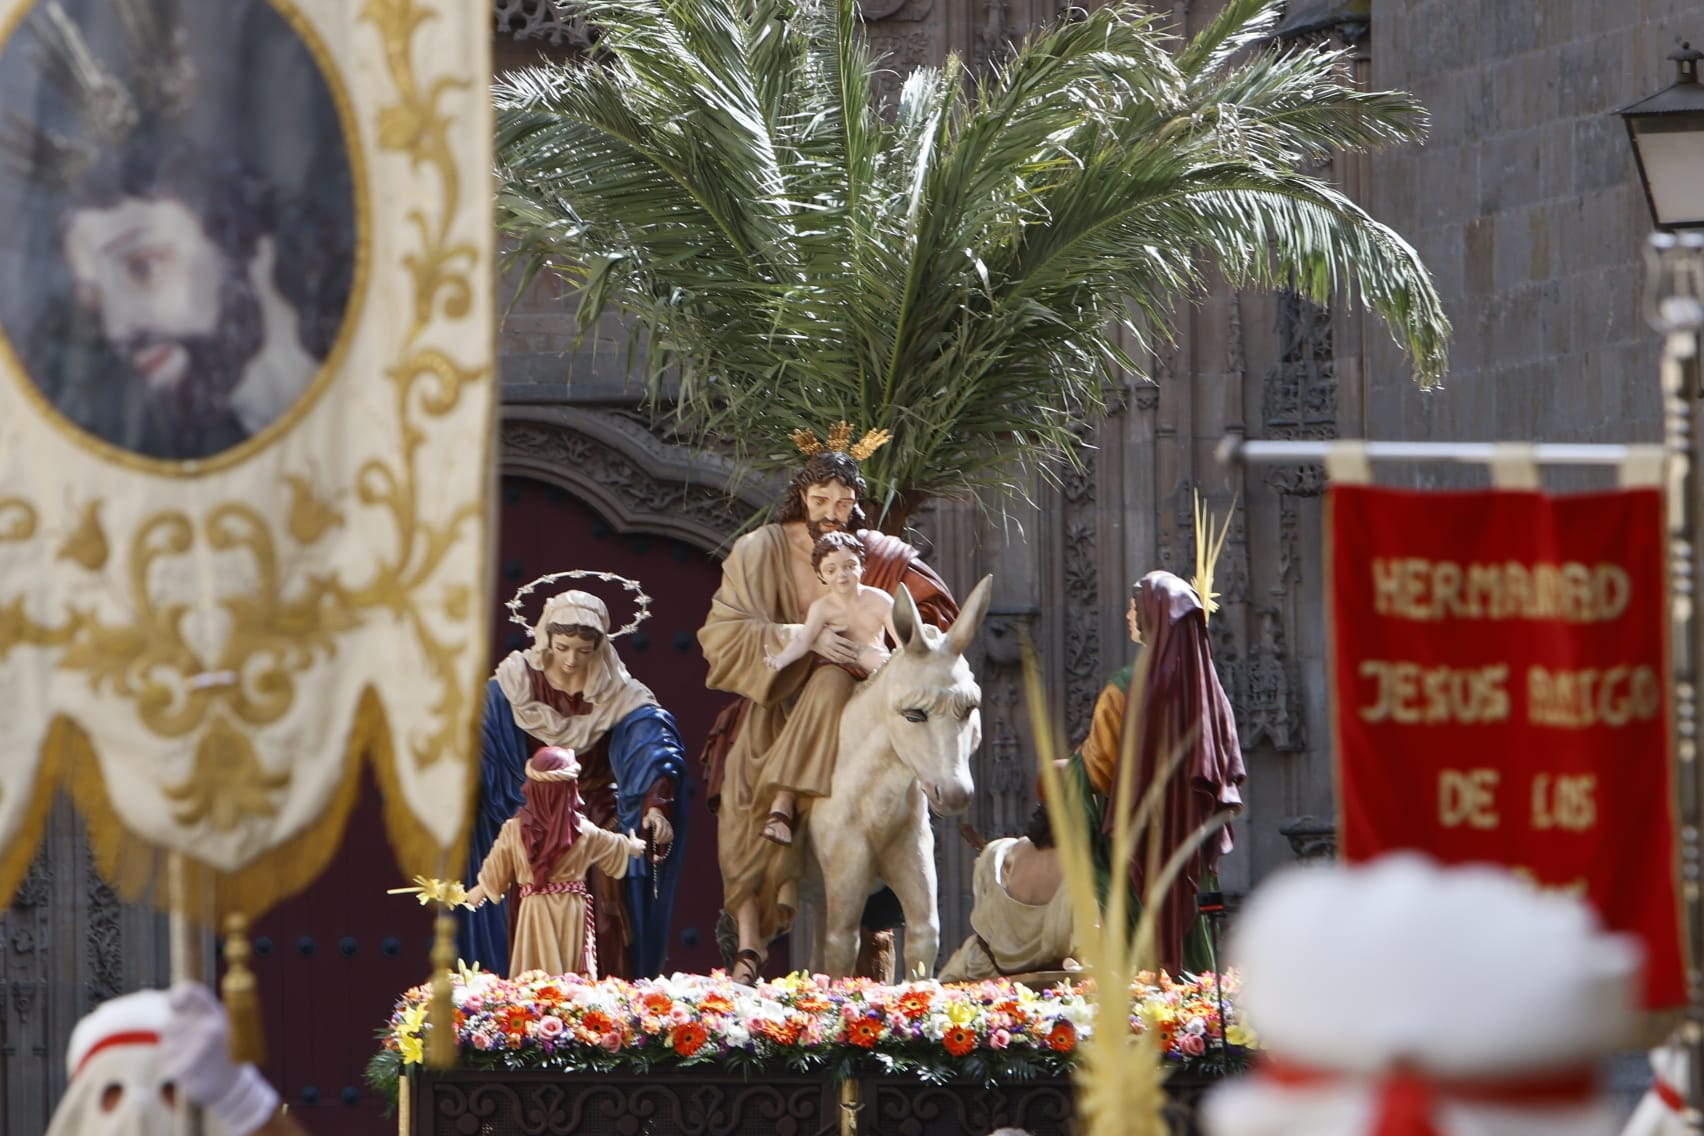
[1299, 399]
[1314, 841]
[621, 469]
[1270, 708]
[1082, 607]
[560, 25]
[1008, 775]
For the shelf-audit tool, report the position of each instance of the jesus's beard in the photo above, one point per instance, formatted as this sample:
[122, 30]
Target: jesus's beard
[818, 529]
[200, 402]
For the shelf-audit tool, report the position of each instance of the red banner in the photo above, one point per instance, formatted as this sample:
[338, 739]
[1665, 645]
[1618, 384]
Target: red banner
[1500, 678]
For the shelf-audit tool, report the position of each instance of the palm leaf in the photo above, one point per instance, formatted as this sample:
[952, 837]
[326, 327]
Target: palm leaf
[962, 271]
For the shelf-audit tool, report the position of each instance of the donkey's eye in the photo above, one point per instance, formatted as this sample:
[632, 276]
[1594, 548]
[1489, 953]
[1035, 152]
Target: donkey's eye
[915, 715]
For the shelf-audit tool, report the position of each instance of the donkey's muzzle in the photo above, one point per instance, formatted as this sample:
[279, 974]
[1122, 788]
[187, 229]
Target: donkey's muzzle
[952, 798]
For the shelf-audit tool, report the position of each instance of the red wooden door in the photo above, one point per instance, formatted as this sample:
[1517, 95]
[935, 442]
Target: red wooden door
[332, 961]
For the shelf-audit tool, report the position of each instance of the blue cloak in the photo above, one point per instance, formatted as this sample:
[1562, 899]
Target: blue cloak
[643, 746]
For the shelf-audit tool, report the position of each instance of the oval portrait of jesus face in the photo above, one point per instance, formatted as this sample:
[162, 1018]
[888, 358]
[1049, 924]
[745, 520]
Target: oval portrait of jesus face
[180, 253]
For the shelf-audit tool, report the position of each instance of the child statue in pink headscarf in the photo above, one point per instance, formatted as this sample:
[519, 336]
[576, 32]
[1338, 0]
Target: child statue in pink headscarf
[545, 850]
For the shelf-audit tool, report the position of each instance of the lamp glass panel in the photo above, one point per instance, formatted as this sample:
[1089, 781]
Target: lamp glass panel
[1674, 169]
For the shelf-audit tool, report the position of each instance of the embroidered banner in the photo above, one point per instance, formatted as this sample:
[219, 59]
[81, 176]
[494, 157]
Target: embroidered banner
[1500, 691]
[246, 413]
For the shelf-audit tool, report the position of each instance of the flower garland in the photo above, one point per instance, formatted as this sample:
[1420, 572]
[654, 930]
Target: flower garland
[980, 1030]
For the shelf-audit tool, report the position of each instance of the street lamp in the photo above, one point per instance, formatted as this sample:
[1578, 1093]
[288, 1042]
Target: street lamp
[1667, 131]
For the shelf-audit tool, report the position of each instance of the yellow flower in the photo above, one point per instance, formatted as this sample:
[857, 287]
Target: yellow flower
[408, 1041]
[961, 1013]
[1243, 1036]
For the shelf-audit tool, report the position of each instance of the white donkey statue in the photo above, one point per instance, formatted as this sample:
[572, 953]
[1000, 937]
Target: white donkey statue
[906, 737]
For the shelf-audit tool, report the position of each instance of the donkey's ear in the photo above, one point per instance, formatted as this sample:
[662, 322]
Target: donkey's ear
[970, 616]
[906, 621]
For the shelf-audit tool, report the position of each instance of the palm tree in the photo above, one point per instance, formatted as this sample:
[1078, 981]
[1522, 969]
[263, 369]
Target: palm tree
[955, 268]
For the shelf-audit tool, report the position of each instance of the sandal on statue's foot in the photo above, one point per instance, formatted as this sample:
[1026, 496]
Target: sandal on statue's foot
[778, 828]
[747, 968]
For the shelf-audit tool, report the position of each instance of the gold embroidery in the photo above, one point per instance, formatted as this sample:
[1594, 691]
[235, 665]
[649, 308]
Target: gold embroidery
[88, 544]
[17, 519]
[310, 516]
[228, 784]
[415, 125]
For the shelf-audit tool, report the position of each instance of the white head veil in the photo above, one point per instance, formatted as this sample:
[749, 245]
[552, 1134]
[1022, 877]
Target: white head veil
[612, 692]
[118, 1044]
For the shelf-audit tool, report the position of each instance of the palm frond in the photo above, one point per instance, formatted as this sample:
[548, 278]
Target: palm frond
[963, 273]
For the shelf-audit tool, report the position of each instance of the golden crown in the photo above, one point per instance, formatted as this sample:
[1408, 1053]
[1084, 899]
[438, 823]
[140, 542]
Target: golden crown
[840, 440]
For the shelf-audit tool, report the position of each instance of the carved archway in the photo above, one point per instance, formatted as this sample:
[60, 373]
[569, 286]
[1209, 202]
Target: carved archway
[638, 481]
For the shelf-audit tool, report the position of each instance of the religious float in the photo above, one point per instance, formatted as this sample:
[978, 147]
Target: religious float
[799, 1054]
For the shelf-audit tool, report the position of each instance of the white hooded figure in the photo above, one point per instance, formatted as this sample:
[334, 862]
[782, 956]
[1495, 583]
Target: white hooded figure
[130, 1056]
[1662, 1110]
[1398, 998]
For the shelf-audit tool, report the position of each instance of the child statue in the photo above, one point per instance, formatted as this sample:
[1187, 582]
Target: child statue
[862, 615]
[546, 848]
[859, 613]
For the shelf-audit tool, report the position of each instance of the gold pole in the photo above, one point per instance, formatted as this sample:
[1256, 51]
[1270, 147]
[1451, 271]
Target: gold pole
[850, 1106]
[186, 963]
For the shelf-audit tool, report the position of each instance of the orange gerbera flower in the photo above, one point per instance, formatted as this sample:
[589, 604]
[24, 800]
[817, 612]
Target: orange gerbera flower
[716, 1004]
[915, 1003]
[690, 1038]
[773, 1030]
[550, 995]
[1062, 1038]
[811, 1004]
[959, 1040]
[864, 1032]
[657, 1002]
[596, 1021]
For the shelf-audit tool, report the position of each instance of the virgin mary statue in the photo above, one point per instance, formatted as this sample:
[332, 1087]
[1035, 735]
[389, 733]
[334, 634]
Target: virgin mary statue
[570, 689]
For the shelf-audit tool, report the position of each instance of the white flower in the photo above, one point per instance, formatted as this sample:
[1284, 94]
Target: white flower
[1078, 1012]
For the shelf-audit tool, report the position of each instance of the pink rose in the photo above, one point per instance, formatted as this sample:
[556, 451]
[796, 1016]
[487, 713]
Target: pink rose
[473, 1003]
[1192, 1045]
[482, 1041]
[999, 1039]
[680, 1015]
[549, 1027]
[611, 1041]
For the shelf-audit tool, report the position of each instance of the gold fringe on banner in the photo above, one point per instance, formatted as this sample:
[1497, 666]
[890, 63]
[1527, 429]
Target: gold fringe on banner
[137, 868]
[242, 995]
[15, 861]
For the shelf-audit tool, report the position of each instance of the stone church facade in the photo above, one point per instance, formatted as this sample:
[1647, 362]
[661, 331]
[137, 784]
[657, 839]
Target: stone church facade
[1524, 203]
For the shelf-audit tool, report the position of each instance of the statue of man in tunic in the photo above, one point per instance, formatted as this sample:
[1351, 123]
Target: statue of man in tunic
[773, 751]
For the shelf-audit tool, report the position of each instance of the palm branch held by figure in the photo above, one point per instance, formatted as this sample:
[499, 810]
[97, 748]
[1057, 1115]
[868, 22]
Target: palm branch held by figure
[966, 270]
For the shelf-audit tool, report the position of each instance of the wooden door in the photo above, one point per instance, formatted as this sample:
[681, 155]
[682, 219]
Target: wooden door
[332, 961]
